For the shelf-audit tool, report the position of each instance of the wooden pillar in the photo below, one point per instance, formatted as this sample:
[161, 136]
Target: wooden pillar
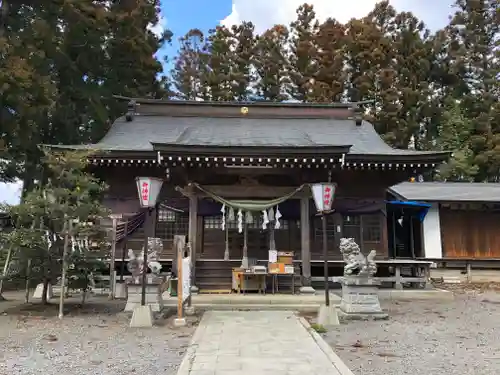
[193, 238]
[383, 234]
[305, 237]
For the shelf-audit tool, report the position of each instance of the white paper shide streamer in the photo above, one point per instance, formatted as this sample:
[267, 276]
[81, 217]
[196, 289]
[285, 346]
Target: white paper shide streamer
[223, 210]
[277, 224]
[240, 221]
[265, 219]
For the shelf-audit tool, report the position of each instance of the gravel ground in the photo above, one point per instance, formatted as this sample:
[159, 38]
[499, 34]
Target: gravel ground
[425, 337]
[95, 340]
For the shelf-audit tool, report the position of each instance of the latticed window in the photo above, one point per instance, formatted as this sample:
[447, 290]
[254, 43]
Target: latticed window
[318, 227]
[363, 228]
[170, 223]
[371, 228]
[166, 215]
[351, 227]
[212, 222]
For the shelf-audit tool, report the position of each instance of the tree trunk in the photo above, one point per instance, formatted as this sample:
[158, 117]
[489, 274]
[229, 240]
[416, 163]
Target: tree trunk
[84, 295]
[27, 287]
[45, 290]
[5, 271]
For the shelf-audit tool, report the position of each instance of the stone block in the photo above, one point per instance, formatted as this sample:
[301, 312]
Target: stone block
[153, 297]
[142, 317]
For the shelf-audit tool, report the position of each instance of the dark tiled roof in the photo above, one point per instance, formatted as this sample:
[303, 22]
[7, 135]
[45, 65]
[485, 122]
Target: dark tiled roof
[448, 191]
[138, 134]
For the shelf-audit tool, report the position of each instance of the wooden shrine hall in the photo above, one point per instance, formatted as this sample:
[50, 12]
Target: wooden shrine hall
[217, 158]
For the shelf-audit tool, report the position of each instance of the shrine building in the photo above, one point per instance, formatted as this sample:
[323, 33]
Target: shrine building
[237, 181]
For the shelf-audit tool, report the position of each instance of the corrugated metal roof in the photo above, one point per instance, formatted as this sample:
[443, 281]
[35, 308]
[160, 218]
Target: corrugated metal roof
[448, 191]
[138, 134]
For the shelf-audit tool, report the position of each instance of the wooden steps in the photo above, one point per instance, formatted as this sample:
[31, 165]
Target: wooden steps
[216, 276]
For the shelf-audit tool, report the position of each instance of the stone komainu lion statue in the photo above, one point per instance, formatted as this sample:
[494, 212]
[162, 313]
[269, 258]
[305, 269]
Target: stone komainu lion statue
[355, 260]
[135, 264]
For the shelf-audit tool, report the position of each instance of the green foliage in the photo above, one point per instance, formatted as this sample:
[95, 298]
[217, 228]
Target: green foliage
[217, 59]
[243, 61]
[60, 64]
[330, 77]
[303, 53]
[474, 35]
[454, 134]
[187, 72]
[271, 64]
[319, 328]
[68, 205]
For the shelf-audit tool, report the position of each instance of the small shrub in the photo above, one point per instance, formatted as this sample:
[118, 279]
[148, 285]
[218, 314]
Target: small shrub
[318, 328]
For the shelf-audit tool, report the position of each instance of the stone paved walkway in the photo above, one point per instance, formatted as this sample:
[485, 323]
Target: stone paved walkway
[254, 342]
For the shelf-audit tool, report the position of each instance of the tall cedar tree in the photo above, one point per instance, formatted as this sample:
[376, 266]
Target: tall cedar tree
[367, 64]
[303, 53]
[330, 76]
[271, 64]
[454, 135]
[413, 68]
[384, 72]
[217, 63]
[29, 42]
[61, 63]
[443, 81]
[244, 49]
[474, 47]
[188, 72]
[80, 115]
[133, 70]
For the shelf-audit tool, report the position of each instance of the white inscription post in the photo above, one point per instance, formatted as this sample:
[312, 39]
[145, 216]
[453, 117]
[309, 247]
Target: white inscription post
[183, 279]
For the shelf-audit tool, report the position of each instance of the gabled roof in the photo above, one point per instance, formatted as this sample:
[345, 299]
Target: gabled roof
[153, 123]
[447, 191]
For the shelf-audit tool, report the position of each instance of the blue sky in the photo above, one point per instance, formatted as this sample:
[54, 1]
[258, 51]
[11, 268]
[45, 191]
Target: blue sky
[181, 16]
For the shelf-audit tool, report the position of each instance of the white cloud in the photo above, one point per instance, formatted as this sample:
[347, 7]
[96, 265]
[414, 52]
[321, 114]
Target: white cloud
[160, 26]
[11, 193]
[266, 13]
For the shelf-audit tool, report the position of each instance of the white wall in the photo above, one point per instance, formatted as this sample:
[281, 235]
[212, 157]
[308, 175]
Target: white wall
[432, 233]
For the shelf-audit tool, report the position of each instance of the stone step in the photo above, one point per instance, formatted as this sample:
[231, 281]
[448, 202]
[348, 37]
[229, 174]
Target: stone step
[310, 308]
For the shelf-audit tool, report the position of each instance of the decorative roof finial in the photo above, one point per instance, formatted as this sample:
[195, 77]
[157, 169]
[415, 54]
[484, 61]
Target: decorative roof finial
[357, 115]
[131, 110]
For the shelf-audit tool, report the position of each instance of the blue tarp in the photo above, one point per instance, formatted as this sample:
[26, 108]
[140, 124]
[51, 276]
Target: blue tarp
[423, 208]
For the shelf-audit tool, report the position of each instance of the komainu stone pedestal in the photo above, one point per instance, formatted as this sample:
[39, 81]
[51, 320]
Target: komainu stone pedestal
[360, 299]
[39, 292]
[142, 317]
[153, 297]
[121, 291]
